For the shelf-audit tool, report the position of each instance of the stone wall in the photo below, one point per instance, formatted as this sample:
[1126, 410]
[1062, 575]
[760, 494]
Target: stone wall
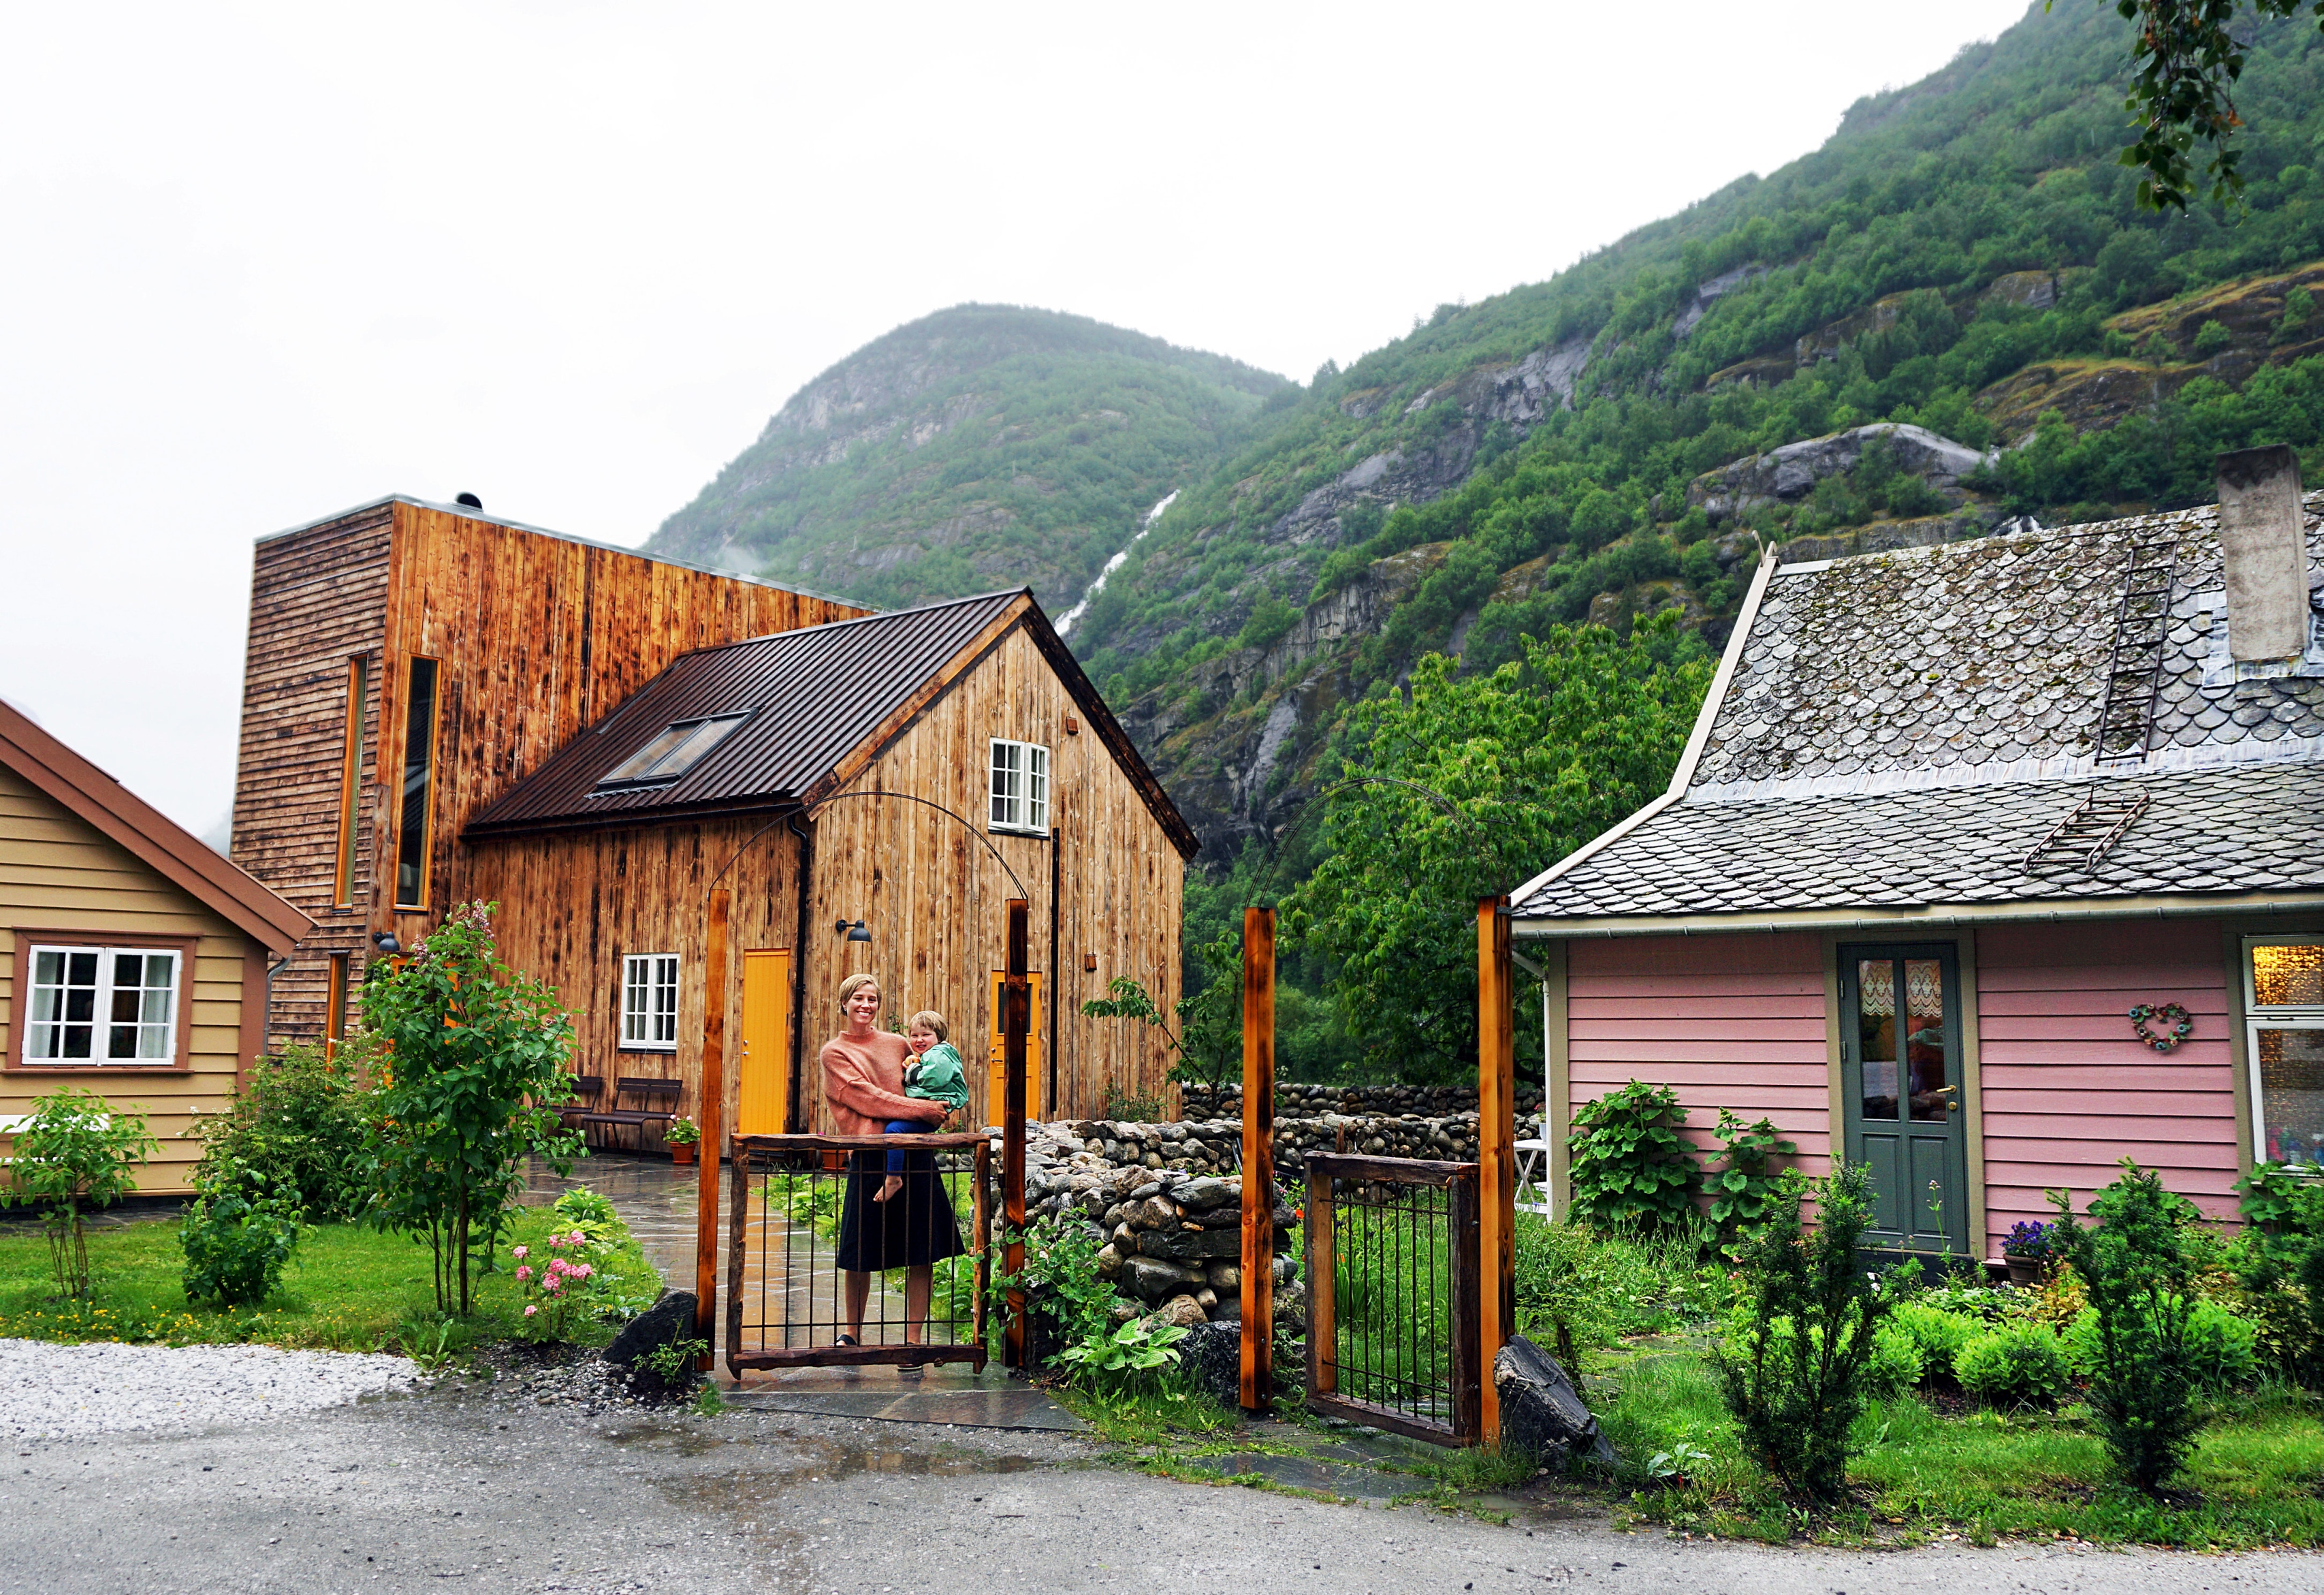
[1307, 1101]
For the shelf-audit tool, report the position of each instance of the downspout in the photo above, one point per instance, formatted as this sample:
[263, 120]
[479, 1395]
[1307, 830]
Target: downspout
[792, 1114]
[266, 1020]
[1057, 868]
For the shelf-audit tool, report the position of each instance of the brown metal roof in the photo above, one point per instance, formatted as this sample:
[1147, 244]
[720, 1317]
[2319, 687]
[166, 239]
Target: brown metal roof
[813, 695]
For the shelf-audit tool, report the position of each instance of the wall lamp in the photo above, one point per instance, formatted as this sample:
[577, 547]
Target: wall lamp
[387, 944]
[852, 929]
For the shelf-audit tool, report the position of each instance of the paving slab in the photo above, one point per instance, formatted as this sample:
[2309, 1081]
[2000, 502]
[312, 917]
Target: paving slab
[965, 1399]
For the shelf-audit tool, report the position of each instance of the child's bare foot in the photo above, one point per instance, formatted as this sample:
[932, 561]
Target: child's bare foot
[893, 1184]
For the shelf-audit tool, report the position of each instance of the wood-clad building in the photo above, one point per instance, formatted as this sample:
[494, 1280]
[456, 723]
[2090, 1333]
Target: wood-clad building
[441, 707]
[132, 957]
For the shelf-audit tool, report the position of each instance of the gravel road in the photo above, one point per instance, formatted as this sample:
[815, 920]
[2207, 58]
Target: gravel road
[52, 1392]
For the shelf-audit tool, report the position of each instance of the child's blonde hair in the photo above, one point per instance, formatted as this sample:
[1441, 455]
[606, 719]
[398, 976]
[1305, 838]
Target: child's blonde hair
[928, 1018]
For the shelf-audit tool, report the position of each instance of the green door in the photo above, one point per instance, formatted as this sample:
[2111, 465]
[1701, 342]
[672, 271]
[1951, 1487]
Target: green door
[1900, 1047]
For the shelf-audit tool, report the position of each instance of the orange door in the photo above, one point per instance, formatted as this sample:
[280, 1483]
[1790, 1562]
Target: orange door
[765, 1067]
[996, 1095]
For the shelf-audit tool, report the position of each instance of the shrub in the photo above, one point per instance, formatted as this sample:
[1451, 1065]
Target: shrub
[2282, 1275]
[1066, 1299]
[561, 1288]
[236, 1239]
[591, 1214]
[2017, 1365]
[2141, 1280]
[2222, 1348]
[1113, 1359]
[1741, 1192]
[1939, 1335]
[75, 1150]
[1897, 1364]
[297, 1128]
[1795, 1394]
[1579, 1290]
[1630, 1165]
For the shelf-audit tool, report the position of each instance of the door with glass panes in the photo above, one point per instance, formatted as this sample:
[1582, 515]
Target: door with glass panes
[1900, 1040]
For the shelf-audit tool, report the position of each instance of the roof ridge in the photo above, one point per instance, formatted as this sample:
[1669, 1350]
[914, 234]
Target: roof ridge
[855, 620]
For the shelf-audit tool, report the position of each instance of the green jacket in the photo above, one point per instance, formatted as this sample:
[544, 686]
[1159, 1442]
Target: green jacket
[937, 1076]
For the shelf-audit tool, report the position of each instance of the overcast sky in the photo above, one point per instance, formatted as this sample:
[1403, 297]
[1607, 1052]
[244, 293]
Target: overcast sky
[265, 262]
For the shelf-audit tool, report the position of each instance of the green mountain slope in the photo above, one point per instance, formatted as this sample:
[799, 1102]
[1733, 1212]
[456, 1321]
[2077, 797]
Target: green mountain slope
[983, 446]
[1963, 259]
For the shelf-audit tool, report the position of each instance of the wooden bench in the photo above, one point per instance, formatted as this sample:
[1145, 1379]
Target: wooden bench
[657, 1101]
[586, 1089]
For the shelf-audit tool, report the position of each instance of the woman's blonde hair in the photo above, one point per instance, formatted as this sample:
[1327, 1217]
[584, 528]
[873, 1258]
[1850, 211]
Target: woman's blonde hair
[930, 1018]
[855, 983]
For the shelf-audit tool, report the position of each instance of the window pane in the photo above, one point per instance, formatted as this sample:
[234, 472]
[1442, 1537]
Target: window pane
[1037, 773]
[2291, 1096]
[703, 736]
[48, 967]
[419, 771]
[1876, 1020]
[638, 763]
[1924, 1037]
[633, 1000]
[2288, 977]
[1008, 782]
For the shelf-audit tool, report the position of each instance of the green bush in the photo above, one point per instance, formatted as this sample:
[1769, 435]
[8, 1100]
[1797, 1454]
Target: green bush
[2222, 1349]
[591, 1213]
[1631, 1166]
[1578, 1289]
[296, 1126]
[2282, 1271]
[1795, 1394]
[2018, 1365]
[76, 1149]
[237, 1239]
[1939, 1335]
[1897, 1364]
[2139, 1268]
[1741, 1192]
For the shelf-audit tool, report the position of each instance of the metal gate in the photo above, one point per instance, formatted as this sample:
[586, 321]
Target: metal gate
[786, 1294]
[1392, 1294]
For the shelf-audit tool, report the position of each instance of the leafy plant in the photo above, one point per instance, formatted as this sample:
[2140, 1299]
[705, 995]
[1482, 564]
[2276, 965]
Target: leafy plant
[473, 1061]
[1208, 1038]
[1062, 1286]
[1796, 1374]
[2284, 1270]
[1113, 1358]
[299, 1123]
[1676, 1466]
[1741, 1192]
[682, 1132]
[431, 1341]
[2027, 1238]
[2141, 1280]
[590, 1212]
[671, 1363]
[1630, 1166]
[557, 1288]
[1580, 1289]
[2016, 1365]
[238, 1244]
[2222, 1348]
[75, 1150]
[1939, 1335]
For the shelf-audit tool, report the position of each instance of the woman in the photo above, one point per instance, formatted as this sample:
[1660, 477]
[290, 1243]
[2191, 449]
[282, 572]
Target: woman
[863, 1083]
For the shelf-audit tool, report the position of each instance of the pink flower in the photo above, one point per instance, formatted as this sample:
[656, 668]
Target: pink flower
[583, 1271]
[518, 1252]
[554, 1282]
[525, 1272]
[528, 1312]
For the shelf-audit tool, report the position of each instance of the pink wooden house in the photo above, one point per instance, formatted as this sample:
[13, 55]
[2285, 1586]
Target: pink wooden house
[1947, 816]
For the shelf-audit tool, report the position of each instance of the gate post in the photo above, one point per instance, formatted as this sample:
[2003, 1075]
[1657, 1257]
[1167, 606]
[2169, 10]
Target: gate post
[1015, 1014]
[1258, 1161]
[712, 1097]
[1497, 1189]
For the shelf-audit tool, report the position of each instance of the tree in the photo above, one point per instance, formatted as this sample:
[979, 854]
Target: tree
[1534, 760]
[76, 1149]
[473, 1058]
[2188, 63]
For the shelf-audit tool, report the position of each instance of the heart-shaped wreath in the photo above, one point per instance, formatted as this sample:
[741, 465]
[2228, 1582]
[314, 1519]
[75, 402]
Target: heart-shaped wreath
[2180, 1025]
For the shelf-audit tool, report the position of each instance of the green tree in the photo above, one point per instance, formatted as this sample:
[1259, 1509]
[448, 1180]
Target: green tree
[1532, 760]
[76, 1150]
[474, 1059]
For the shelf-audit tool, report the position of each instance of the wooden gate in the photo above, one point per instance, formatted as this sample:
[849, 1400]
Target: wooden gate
[786, 1303]
[1393, 1295]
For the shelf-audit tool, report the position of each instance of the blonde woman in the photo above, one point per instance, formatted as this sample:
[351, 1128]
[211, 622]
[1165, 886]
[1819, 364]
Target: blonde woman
[863, 1084]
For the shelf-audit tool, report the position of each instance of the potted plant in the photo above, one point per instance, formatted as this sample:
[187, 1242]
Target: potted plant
[682, 1135]
[2026, 1251]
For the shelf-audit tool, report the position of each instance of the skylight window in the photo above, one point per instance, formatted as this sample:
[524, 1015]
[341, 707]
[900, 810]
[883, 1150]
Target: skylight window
[673, 752]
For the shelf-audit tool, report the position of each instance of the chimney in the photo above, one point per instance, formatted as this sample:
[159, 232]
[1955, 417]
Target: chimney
[2263, 542]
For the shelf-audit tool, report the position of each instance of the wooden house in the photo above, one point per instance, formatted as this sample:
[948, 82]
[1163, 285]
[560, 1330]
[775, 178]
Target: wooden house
[1949, 816]
[133, 957]
[592, 739]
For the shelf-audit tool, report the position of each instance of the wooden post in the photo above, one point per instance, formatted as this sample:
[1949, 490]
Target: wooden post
[1497, 1190]
[706, 1114]
[1322, 1282]
[1016, 1018]
[1258, 1161]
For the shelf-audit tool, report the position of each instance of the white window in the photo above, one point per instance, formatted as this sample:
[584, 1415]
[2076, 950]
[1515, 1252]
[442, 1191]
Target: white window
[650, 1001]
[2284, 996]
[674, 751]
[1021, 786]
[103, 1005]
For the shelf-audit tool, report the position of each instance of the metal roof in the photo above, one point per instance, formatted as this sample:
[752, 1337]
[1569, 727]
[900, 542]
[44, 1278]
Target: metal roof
[1902, 730]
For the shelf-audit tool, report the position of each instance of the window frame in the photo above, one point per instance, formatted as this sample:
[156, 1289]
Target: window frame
[419, 903]
[654, 776]
[2287, 1016]
[1028, 806]
[650, 1014]
[14, 1017]
[350, 751]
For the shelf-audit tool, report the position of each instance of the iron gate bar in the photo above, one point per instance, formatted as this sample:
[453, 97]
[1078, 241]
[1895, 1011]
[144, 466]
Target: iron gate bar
[759, 1156]
[1462, 1388]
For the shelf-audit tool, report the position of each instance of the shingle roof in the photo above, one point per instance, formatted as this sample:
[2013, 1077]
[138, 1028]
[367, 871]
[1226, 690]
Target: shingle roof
[1903, 729]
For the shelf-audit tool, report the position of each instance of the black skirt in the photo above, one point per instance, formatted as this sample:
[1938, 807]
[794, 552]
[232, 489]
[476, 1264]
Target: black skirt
[913, 1228]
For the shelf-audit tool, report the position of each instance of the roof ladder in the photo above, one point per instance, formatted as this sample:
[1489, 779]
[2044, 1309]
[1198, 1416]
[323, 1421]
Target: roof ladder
[2088, 834]
[2141, 632]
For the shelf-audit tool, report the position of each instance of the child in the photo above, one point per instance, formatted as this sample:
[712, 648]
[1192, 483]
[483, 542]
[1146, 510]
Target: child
[934, 1074]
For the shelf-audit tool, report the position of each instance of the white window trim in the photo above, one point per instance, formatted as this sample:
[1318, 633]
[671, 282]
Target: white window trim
[1026, 811]
[2297, 1015]
[167, 1058]
[642, 1024]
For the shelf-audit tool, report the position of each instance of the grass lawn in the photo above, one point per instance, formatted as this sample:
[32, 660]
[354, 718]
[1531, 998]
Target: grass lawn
[349, 1289]
[2257, 1478]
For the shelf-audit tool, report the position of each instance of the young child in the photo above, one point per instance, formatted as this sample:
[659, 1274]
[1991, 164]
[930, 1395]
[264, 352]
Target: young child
[934, 1074]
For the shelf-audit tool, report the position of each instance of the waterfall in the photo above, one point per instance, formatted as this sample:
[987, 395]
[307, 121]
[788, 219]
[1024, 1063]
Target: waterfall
[1065, 622]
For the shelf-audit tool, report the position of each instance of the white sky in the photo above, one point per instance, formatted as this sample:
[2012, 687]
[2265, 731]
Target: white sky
[267, 262]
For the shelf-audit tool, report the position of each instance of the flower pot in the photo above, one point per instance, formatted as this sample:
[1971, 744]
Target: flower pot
[2025, 1271]
[682, 1151]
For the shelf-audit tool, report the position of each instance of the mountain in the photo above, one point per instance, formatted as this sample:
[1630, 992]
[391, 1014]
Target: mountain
[1951, 315]
[983, 446]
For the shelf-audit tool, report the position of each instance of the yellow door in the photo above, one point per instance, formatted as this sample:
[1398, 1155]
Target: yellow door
[765, 1067]
[996, 1091]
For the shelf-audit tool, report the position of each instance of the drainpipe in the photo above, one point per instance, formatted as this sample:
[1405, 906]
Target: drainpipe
[795, 1112]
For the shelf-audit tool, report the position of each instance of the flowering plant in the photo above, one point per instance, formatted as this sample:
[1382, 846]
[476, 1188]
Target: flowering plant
[555, 1288]
[682, 1132]
[2026, 1239]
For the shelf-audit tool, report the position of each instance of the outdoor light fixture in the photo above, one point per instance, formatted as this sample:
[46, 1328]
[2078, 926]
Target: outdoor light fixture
[386, 943]
[852, 929]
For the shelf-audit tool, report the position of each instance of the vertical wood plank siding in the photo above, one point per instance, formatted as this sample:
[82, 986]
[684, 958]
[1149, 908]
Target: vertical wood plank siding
[1728, 1021]
[2068, 1091]
[58, 873]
